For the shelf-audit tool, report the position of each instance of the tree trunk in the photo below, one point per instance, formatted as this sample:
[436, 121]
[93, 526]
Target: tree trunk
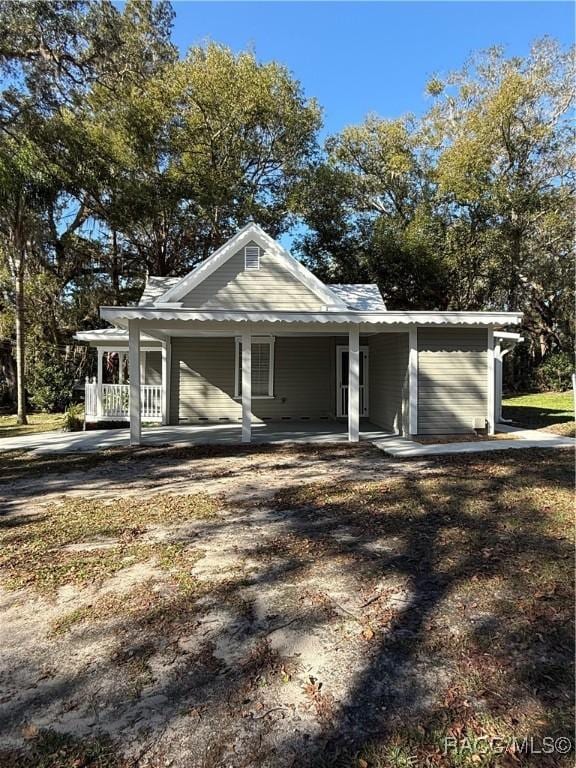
[115, 272]
[20, 336]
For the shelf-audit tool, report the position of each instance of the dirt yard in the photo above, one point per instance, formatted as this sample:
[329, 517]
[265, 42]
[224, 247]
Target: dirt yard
[285, 607]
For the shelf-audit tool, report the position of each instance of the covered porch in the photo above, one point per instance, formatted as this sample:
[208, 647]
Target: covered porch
[254, 373]
[107, 395]
[248, 371]
[249, 383]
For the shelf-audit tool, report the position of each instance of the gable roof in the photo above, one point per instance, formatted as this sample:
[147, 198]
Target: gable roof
[363, 297]
[249, 233]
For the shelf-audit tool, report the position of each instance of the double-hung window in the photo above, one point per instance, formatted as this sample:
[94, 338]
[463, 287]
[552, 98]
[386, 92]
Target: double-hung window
[262, 367]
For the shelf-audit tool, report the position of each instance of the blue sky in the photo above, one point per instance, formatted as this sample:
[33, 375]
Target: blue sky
[361, 57]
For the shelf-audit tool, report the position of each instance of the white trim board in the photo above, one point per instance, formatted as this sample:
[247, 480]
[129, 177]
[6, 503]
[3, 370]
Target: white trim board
[490, 415]
[269, 340]
[365, 353]
[413, 382]
[251, 232]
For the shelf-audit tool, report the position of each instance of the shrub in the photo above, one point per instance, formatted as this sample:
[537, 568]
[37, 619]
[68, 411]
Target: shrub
[50, 380]
[74, 418]
[555, 373]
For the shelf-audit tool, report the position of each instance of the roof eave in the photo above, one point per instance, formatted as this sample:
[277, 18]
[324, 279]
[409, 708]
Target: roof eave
[121, 315]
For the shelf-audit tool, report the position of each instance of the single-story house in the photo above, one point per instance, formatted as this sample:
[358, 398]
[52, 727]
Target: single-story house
[250, 335]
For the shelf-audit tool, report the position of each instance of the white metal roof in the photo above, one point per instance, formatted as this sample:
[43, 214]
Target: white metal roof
[103, 335]
[365, 297]
[155, 287]
[121, 315]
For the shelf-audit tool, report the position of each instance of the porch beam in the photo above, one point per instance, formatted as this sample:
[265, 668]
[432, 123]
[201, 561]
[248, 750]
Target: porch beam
[134, 371]
[413, 381]
[246, 387]
[166, 368]
[354, 384]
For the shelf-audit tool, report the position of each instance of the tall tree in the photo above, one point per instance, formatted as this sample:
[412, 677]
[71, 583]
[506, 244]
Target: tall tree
[22, 193]
[209, 143]
[51, 55]
[379, 204]
[468, 207]
[505, 152]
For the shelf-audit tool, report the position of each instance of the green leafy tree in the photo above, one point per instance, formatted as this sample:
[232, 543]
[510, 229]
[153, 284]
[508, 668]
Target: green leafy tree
[505, 150]
[469, 207]
[52, 55]
[208, 144]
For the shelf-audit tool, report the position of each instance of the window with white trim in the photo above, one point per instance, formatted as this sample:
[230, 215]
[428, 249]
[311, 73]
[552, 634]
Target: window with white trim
[262, 368]
[252, 257]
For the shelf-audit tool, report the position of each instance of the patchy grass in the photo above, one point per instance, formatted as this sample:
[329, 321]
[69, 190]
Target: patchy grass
[549, 411]
[486, 546]
[149, 606]
[81, 541]
[49, 749]
[18, 465]
[347, 623]
[37, 422]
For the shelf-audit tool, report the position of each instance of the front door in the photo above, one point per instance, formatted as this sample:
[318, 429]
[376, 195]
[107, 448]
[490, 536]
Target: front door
[342, 381]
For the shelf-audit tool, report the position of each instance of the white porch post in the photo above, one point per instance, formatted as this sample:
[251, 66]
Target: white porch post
[142, 367]
[497, 382]
[413, 382]
[354, 384]
[99, 383]
[491, 382]
[134, 369]
[246, 387]
[166, 368]
[120, 367]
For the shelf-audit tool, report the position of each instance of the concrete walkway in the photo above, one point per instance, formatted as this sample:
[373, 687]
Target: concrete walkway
[209, 434]
[400, 447]
[289, 432]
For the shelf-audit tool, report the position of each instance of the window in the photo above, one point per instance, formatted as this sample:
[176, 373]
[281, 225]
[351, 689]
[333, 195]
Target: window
[251, 257]
[262, 368]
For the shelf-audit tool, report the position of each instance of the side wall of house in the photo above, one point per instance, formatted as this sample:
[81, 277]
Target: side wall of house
[270, 287]
[452, 379]
[202, 381]
[153, 371]
[388, 379]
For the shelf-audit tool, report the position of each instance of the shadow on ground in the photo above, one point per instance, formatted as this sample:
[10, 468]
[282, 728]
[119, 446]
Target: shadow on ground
[535, 418]
[343, 623]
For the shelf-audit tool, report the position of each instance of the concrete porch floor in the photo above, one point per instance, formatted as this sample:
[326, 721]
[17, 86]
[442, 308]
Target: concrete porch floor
[192, 434]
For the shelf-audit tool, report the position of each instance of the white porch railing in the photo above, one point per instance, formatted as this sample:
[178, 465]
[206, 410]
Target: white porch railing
[112, 401]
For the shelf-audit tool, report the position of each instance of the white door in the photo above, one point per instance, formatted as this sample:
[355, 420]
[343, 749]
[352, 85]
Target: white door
[342, 381]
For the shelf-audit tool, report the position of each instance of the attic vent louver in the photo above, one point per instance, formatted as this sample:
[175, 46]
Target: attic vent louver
[252, 257]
